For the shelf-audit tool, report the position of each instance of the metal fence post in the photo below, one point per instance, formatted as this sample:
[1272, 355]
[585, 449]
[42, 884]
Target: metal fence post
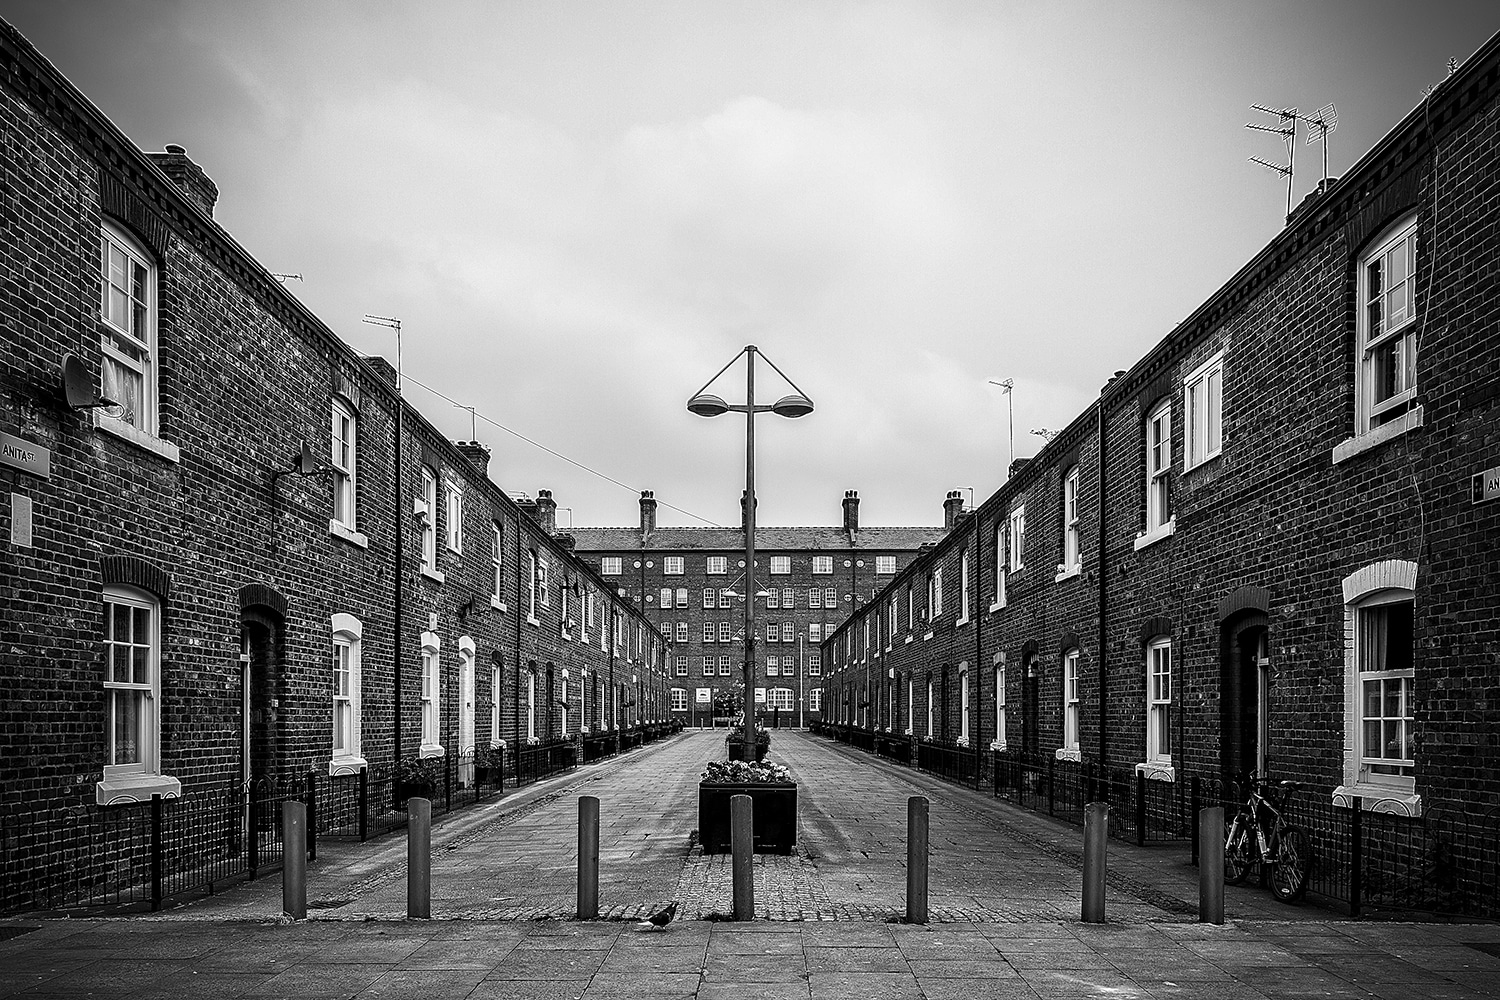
[1051, 787]
[916, 859]
[1356, 855]
[156, 852]
[312, 815]
[364, 804]
[1194, 807]
[1140, 809]
[254, 832]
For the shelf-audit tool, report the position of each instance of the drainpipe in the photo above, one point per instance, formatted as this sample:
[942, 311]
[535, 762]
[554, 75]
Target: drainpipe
[1103, 587]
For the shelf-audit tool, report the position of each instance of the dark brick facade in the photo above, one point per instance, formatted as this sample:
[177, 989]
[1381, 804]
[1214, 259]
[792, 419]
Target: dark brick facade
[207, 519]
[850, 554]
[1280, 535]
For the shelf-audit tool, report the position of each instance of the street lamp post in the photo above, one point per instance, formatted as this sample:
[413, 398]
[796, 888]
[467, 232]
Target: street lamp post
[705, 404]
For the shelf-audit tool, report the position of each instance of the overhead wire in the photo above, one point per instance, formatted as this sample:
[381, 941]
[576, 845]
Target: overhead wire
[475, 414]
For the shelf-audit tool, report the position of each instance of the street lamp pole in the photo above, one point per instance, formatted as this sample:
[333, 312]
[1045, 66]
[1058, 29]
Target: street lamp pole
[704, 404]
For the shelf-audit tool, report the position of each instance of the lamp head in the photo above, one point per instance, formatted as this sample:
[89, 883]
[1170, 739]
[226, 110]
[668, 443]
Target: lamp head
[795, 405]
[706, 404]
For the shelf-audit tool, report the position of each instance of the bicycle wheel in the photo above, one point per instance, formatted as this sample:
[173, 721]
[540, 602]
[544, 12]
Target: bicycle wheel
[1237, 852]
[1293, 865]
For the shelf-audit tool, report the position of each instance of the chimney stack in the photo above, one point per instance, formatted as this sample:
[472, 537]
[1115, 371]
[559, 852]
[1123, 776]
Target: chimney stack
[546, 511]
[384, 369]
[953, 506]
[648, 512]
[851, 511]
[477, 454]
[188, 176]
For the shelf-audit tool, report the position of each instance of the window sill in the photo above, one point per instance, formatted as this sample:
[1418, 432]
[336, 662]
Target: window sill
[1379, 799]
[431, 750]
[139, 438]
[341, 766]
[339, 529]
[1361, 443]
[997, 606]
[926, 636]
[457, 552]
[960, 622]
[1156, 534]
[435, 575]
[1157, 770]
[1200, 463]
[1067, 573]
[498, 605]
[997, 745]
[909, 638]
[1069, 753]
[124, 790]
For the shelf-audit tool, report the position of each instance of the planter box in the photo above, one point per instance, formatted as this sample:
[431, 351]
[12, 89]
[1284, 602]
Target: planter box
[774, 824]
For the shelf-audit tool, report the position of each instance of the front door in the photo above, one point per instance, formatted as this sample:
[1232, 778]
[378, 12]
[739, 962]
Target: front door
[1244, 701]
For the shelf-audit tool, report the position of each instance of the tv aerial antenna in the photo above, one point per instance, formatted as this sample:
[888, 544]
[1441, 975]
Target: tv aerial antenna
[1286, 127]
[1323, 121]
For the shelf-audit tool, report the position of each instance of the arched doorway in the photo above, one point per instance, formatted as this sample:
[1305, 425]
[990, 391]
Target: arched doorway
[1244, 695]
[261, 657]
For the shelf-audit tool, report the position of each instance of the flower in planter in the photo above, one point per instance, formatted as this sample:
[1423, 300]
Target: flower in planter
[418, 771]
[533, 741]
[742, 772]
[488, 758]
[962, 741]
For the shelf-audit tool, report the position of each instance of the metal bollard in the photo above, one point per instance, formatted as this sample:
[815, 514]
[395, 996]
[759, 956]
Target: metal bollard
[1211, 865]
[294, 859]
[588, 857]
[916, 859]
[419, 858]
[1095, 837]
[742, 846]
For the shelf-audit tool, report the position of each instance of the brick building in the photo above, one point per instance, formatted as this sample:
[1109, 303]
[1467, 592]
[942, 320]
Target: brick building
[690, 581]
[206, 541]
[1270, 544]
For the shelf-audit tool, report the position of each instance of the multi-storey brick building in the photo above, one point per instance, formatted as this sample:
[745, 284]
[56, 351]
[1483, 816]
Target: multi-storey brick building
[690, 581]
[1270, 544]
[208, 539]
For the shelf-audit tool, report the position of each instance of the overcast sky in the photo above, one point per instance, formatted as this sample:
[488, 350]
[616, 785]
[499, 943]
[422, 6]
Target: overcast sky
[581, 212]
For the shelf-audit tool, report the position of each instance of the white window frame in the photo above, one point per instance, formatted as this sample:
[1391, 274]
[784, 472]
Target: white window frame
[815, 664]
[773, 666]
[454, 517]
[1160, 521]
[931, 713]
[494, 706]
[664, 598]
[432, 696]
[672, 565]
[497, 562]
[1002, 530]
[1160, 698]
[710, 598]
[935, 601]
[563, 704]
[1376, 586]
[726, 631]
[533, 567]
[1072, 547]
[885, 565]
[963, 704]
[815, 598]
[781, 698]
[710, 632]
[611, 566]
[531, 705]
[822, 565]
[773, 599]
[788, 598]
[716, 565]
[348, 638]
[128, 342]
[1016, 540]
[467, 699]
[1203, 413]
[427, 508]
[1070, 707]
[725, 601]
[136, 780]
[911, 690]
[343, 459]
[726, 665]
[1397, 333]
[681, 666]
[1000, 704]
[781, 565]
[679, 700]
[682, 632]
[830, 598]
[681, 597]
[963, 587]
[815, 700]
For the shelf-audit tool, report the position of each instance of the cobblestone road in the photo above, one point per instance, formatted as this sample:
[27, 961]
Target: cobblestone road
[516, 858]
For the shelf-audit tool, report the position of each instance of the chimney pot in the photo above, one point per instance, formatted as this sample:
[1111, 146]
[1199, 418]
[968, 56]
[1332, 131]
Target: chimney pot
[648, 511]
[953, 506]
[546, 511]
[477, 454]
[187, 175]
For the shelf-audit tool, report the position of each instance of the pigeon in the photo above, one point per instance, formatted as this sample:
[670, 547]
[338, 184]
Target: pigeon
[663, 916]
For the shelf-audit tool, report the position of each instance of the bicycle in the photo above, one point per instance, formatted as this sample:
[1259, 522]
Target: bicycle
[1260, 835]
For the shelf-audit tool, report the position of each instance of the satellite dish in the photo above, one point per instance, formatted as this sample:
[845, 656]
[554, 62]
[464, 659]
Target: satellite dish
[78, 385]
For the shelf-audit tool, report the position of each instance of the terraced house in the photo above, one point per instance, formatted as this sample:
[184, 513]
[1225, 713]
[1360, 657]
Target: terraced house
[233, 558]
[1269, 546]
